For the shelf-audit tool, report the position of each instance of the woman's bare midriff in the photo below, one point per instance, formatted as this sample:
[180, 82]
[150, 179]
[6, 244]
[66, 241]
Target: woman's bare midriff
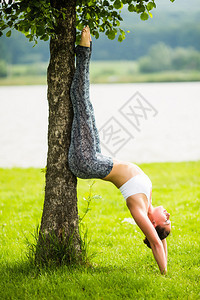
[122, 172]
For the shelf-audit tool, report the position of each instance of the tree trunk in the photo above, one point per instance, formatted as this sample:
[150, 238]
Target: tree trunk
[59, 235]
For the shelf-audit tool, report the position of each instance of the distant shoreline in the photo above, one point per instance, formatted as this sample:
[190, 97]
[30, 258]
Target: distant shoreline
[139, 78]
[101, 72]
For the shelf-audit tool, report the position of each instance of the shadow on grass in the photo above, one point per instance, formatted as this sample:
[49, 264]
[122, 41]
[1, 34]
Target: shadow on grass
[22, 280]
[18, 271]
[131, 281]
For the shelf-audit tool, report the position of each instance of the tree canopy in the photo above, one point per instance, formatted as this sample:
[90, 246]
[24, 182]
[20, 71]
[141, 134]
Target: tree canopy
[38, 18]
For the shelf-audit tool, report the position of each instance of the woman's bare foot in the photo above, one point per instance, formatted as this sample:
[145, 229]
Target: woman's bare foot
[85, 37]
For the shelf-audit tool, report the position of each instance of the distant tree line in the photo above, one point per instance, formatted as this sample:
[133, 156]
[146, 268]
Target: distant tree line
[160, 57]
[163, 58]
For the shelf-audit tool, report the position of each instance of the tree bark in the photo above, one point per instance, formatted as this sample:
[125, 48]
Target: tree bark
[60, 214]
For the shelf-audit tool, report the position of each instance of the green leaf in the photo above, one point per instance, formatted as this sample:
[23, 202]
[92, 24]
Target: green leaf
[36, 42]
[45, 37]
[144, 16]
[150, 14]
[140, 8]
[40, 30]
[3, 27]
[122, 35]
[80, 26]
[33, 29]
[8, 34]
[78, 38]
[118, 23]
[105, 3]
[10, 23]
[120, 39]
[131, 8]
[118, 4]
[96, 35]
[88, 16]
[8, 10]
[28, 35]
[102, 29]
[111, 35]
[150, 6]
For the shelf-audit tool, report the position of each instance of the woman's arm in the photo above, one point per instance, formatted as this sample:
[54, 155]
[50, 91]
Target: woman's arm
[159, 255]
[140, 216]
[164, 242]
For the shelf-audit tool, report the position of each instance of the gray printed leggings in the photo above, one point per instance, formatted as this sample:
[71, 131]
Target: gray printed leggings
[85, 158]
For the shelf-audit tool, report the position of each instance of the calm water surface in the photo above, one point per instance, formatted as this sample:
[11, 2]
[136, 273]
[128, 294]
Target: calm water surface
[151, 122]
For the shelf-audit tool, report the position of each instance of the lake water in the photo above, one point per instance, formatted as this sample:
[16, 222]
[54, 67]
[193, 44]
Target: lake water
[148, 122]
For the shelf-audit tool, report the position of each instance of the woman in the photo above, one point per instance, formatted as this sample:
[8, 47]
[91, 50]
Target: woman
[86, 161]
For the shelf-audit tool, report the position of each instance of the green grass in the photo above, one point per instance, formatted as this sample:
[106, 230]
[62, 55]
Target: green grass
[101, 72]
[123, 267]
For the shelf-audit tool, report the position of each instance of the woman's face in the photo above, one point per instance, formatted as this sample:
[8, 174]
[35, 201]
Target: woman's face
[161, 217]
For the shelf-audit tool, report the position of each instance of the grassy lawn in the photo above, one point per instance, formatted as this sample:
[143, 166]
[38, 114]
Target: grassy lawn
[101, 72]
[123, 267]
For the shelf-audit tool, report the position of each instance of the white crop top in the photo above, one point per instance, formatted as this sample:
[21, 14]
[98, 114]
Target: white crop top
[140, 183]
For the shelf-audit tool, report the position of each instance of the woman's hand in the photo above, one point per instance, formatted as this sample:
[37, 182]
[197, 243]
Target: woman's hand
[164, 271]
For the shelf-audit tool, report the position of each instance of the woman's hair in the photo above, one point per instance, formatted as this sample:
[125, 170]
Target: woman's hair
[162, 233]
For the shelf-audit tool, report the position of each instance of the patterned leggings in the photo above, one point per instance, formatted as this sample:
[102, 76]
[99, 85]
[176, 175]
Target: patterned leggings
[85, 158]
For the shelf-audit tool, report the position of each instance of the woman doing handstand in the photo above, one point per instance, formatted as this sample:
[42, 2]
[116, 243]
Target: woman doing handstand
[86, 161]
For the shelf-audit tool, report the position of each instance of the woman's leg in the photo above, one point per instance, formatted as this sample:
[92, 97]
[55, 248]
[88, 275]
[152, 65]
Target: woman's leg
[95, 130]
[84, 159]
